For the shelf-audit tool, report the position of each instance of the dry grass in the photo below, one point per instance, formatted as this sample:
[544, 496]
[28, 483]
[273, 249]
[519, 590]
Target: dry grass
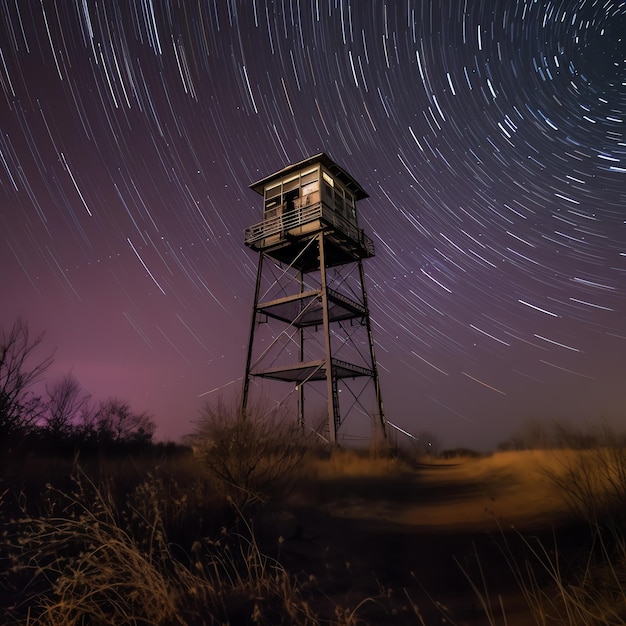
[341, 464]
[84, 560]
[174, 545]
[589, 592]
[587, 588]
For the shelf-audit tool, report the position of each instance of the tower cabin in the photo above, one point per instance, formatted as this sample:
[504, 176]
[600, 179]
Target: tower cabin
[305, 198]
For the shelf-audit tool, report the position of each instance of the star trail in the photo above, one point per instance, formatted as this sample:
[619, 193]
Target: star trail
[491, 137]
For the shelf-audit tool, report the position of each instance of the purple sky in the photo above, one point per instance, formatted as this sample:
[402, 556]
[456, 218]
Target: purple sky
[492, 144]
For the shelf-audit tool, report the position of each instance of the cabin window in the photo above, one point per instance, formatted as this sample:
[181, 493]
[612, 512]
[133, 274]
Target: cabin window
[311, 187]
[272, 204]
[309, 176]
[328, 193]
[339, 205]
[272, 198]
[273, 191]
[350, 208]
[291, 184]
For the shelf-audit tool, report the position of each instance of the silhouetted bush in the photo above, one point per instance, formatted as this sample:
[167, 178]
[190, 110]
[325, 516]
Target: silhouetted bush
[63, 422]
[253, 457]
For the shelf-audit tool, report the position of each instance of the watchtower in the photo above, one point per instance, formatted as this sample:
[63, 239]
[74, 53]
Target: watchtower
[310, 303]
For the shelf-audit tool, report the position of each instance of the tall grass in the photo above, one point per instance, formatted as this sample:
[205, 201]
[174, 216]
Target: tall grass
[587, 591]
[592, 482]
[84, 560]
[592, 479]
[585, 586]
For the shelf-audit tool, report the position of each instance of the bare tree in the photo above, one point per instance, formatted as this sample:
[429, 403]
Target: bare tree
[20, 369]
[66, 408]
[116, 422]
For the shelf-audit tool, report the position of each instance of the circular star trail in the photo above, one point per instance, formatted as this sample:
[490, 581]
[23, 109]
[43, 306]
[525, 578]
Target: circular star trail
[490, 137]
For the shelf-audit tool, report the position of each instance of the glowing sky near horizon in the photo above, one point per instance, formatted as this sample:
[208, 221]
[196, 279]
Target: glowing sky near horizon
[491, 137]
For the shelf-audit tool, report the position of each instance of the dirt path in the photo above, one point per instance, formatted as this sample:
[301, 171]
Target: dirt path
[424, 538]
[499, 492]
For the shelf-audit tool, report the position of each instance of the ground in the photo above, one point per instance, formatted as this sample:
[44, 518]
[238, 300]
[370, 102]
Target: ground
[417, 540]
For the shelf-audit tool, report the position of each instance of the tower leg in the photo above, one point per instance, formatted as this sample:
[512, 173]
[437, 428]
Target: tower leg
[301, 357]
[379, 401]
[246, 379]
[331, 385]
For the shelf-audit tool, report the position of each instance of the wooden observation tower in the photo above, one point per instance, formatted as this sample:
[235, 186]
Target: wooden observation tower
[310, 322]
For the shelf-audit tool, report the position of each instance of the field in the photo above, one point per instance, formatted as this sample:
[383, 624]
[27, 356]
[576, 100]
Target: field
[294, 536]
[423, 537]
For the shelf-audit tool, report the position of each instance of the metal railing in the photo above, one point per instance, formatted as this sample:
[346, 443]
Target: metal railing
[298, 217]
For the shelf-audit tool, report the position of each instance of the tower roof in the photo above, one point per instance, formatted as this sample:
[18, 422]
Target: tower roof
[337, 171]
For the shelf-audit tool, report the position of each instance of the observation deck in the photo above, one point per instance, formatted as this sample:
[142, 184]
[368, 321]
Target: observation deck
[314, 370]
[281, 235]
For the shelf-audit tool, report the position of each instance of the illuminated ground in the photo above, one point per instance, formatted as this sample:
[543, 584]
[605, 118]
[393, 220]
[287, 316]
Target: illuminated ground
[425, 535]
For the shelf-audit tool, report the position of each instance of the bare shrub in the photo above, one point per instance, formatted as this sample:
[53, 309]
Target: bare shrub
[253, 457]
[592, 479]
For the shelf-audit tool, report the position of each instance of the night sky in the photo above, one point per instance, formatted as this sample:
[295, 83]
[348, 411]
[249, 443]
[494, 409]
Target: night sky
[490, 135]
